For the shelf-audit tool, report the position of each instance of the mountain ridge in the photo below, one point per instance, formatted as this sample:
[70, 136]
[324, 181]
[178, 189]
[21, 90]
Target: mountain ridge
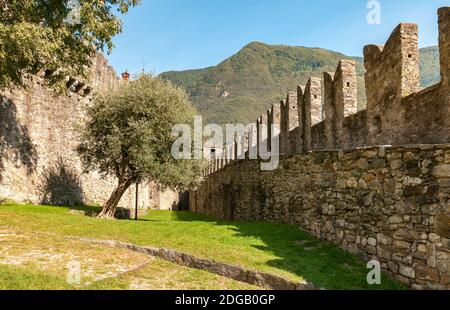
[244, 85]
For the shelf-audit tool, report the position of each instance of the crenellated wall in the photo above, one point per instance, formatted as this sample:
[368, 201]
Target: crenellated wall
[398, 111]
[340, 101]
[376, 182]
[444, 48]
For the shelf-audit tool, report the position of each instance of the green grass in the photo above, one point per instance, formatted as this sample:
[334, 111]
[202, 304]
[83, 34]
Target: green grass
[19, 278]
[23, 278]
[162, 275]
[280, 249]
[152, 277]
[40, 262]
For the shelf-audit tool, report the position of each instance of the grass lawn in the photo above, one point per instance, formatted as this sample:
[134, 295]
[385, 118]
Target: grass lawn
[276, 248]
[19, 278]
[42, 261]
[158, 275]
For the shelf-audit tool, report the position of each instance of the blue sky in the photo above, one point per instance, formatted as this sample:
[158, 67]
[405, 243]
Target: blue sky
[190, 34]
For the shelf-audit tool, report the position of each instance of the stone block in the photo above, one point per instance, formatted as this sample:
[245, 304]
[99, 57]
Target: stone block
[407, 271]
[443, 225]
[441, 171]
[372, 242]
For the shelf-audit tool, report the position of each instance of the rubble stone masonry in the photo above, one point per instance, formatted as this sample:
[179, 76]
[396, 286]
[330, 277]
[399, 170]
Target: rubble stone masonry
[386, 203]
[375, 182]
[38, 161]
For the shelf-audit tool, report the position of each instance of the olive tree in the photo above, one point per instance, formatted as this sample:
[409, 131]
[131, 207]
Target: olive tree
[59, 37]
[128, 134]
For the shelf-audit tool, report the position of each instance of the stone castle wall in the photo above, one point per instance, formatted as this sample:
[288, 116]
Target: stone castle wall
[38, 162]
[388, 203]
[391, 204]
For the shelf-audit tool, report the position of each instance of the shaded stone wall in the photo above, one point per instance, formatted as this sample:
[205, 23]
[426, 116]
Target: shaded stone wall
[390, 204]
[38, 162]
[166, 199]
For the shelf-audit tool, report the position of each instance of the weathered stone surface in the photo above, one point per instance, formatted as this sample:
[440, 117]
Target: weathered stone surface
[443, 225]
[407, 272]
[372, 241]
[395, 219]
[434, 237]
[393, 267]
[426, 273]
[441, 171]
[38, 161]
[401, 231]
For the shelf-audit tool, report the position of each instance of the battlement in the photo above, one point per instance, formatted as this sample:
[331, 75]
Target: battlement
[101, 76]
[289, 120]
[340, 101]
[274, 118]
[376, 181]
[444, 44]
[444, 49]
[398, 112]
[261, 132]
[392, 73]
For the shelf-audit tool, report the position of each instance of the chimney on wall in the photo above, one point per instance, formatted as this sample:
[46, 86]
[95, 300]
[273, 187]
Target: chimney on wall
[125, 76]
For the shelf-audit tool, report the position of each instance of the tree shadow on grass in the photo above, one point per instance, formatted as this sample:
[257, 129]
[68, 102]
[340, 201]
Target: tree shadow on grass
[15, 142]
[321, 263]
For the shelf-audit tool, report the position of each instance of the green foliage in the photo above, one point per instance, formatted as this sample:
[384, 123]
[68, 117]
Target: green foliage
[242, 87]
[128, 133]
[37, 36]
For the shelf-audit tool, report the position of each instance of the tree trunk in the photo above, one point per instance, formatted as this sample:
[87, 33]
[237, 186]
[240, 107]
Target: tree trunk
[109, 208]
